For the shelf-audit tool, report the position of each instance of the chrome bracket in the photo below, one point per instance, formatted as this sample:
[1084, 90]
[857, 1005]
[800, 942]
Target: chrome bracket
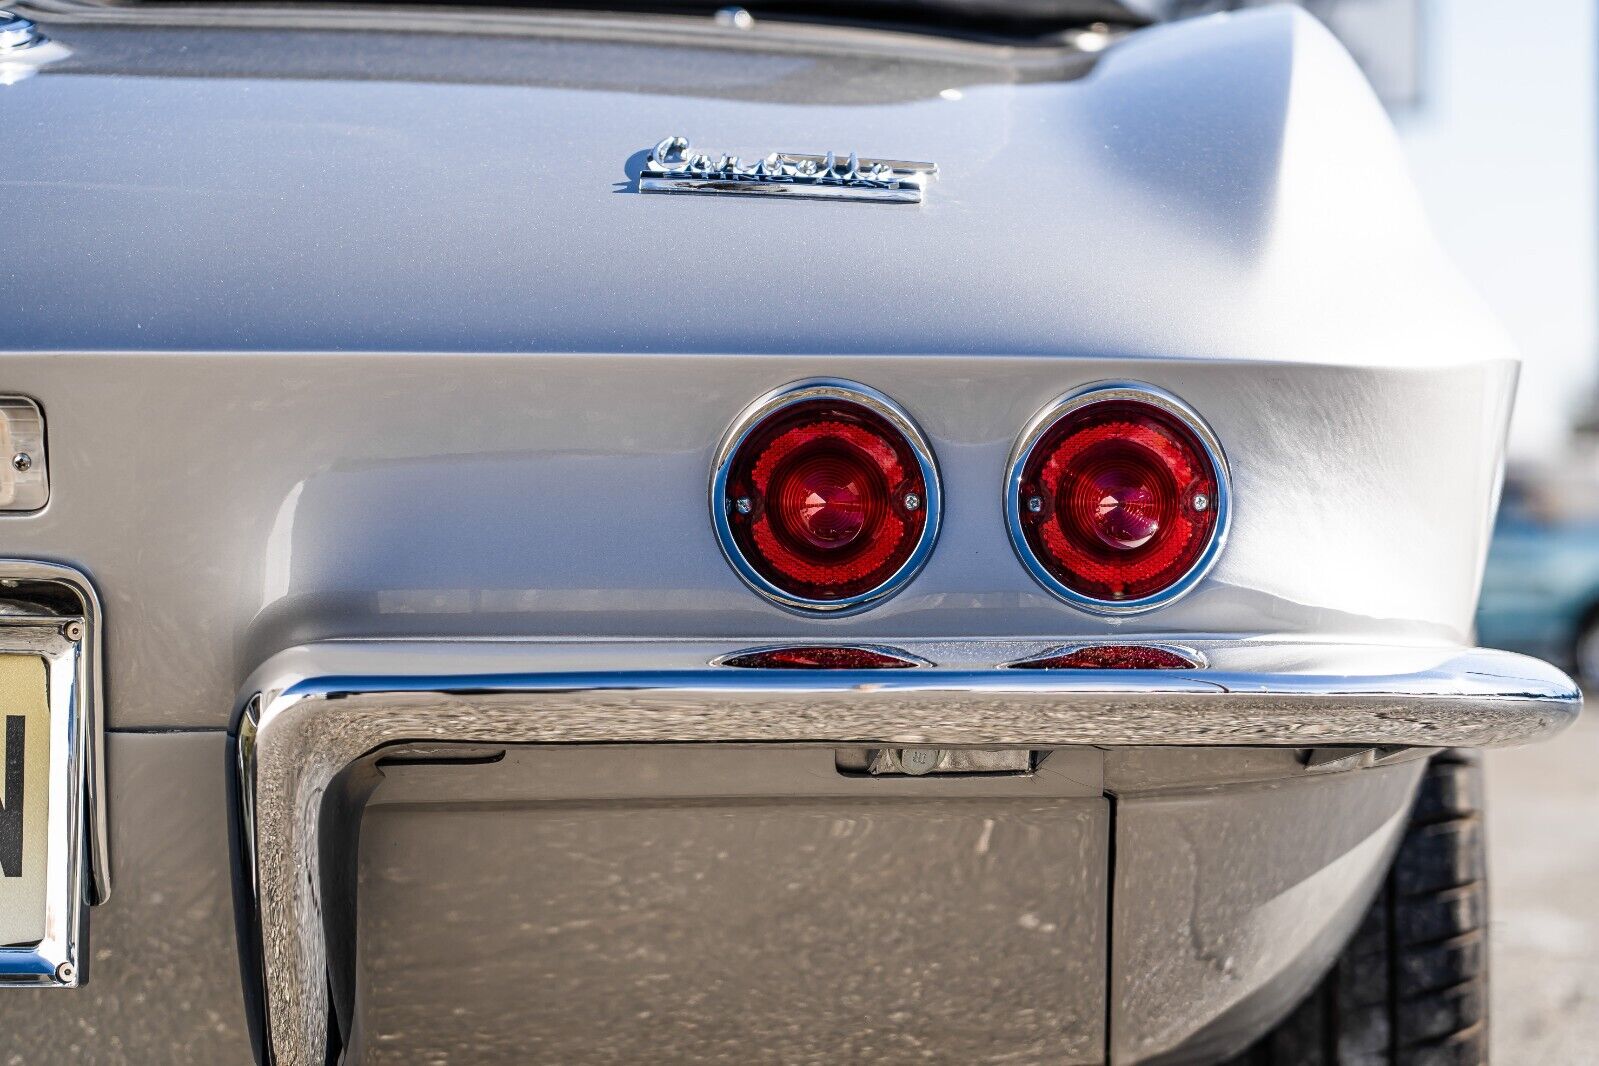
[24, 466]
[917, 762]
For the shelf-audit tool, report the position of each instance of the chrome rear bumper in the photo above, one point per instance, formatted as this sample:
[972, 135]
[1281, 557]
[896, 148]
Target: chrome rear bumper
[316, 710]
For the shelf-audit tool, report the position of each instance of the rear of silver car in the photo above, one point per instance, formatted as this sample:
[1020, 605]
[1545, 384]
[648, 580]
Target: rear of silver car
[442, 717]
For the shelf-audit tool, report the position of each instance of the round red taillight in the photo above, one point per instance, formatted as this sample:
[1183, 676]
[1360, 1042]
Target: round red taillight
[825, 496]
[1118, 498]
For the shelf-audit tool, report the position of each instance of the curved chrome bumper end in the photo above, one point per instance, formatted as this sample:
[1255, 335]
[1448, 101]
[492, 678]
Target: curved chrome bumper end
[313, 711]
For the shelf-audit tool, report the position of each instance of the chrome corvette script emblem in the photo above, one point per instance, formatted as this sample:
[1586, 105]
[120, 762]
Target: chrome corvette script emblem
[672, 167]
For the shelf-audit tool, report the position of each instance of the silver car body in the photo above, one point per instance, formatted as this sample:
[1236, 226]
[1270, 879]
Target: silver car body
[381, 408]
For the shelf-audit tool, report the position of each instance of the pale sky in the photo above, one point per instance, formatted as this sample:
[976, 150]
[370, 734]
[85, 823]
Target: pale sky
[1503, 149]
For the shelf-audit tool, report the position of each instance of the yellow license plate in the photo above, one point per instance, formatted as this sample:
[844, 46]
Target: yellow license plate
[24, 798]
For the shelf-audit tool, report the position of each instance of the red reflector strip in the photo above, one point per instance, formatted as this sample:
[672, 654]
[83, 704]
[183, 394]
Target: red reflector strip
[820, 657]
[1111, 657]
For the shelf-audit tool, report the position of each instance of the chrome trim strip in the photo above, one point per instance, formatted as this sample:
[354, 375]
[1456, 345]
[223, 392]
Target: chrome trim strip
[1099, 392]
[248, 722]
[824, 389]
[308, 727]
[54, 613]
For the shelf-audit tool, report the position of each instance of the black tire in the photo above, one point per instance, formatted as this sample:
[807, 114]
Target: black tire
[1411, 987]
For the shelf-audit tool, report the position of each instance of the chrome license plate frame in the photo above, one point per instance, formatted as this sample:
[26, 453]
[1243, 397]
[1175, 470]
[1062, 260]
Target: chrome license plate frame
[50, 612]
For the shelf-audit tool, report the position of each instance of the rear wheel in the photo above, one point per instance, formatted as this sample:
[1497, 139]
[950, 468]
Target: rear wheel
[1411, 988]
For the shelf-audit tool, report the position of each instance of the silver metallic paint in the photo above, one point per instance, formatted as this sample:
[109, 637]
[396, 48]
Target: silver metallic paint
[729, 905]
[386, 421]
[1265, 218]
[263, 501]
[1231, 901]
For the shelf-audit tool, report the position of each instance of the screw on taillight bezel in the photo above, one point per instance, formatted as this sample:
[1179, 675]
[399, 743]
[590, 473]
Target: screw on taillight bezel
[928, 501]
[1118, 392]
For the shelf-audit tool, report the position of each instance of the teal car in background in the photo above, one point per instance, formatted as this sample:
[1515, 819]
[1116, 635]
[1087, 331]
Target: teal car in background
[1540, 592]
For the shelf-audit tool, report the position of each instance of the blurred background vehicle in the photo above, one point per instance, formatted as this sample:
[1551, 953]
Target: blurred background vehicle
[1540, 591]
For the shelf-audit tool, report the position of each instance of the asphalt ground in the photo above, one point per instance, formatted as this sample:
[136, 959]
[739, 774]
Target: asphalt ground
[1543, 853]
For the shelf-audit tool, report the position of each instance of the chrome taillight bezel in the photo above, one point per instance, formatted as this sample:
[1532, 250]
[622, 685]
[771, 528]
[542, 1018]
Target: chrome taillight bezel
[843, 391]
[1072, 402]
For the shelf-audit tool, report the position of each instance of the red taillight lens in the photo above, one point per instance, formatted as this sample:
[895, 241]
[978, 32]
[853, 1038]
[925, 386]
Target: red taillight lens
[1111, 657]
[1118, 499]
[826, 499]
[820, 657]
